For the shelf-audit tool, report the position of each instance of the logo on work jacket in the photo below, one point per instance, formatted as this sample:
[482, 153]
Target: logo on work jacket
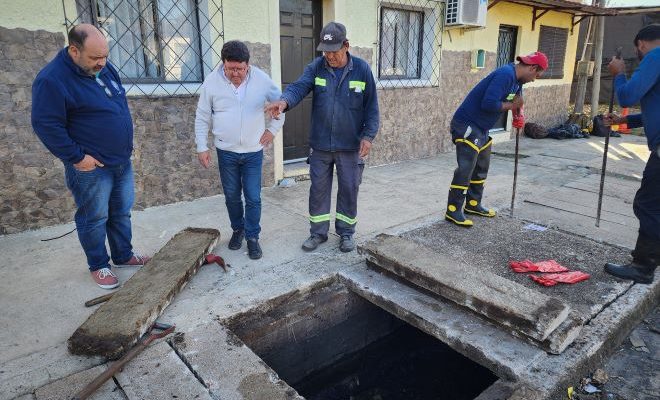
[327, 36]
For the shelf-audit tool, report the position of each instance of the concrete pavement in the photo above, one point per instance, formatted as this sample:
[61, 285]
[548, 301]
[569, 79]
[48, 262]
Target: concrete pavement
[46, 283]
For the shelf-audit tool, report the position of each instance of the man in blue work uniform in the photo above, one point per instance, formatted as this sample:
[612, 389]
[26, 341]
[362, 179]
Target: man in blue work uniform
[80, 113]
[644, 88]
[499, 92]
[344, 123]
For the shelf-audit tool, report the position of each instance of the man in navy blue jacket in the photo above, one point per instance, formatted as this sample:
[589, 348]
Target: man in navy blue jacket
[80, 113]
[344, 123]
[644, 88]
[499, 92]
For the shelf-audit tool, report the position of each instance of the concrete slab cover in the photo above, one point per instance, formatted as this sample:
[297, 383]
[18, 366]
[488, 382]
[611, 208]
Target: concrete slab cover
[118, 324]
[501, 300]
[158, 373]
[492, 242]
[66, 388]
[473, 336]
[229, 369]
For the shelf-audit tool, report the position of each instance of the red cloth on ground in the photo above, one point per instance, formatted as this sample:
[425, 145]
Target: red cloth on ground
[540, 266]
[564, 277]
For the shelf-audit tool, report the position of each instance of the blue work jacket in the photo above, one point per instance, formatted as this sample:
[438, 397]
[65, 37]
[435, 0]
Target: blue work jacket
[344, 108]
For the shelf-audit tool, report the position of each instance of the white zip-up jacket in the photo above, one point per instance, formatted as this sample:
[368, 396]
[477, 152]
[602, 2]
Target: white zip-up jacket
[237, 125]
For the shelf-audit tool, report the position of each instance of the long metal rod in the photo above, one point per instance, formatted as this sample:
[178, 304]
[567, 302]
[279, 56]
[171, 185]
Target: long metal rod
[515, 171]
[117, 365]
[605, 150]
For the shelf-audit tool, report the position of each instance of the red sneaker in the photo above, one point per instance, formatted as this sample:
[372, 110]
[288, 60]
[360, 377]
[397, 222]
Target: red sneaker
[135, 260]
[105, 278]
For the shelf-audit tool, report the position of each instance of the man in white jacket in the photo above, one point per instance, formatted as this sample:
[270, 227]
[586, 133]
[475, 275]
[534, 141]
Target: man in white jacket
[231, 105]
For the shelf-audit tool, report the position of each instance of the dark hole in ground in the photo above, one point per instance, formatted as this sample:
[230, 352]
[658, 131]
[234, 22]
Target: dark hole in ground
[407, 364]
[329, 343]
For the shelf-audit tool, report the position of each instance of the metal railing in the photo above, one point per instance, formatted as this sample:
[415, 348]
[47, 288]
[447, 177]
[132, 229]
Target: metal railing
[159, 47]
[409, 43]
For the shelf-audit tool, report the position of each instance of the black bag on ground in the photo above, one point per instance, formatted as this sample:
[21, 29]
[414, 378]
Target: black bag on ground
[600, 129]
[567, 131]
[535, 131]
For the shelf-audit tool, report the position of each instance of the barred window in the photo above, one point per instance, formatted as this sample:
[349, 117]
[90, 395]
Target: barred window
[157, 43]
[552, 42]
[401, 33]
[410, 35]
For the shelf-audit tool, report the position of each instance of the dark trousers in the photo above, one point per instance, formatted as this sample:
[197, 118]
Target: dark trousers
[240, 173]
[647, 209]
[349, 175]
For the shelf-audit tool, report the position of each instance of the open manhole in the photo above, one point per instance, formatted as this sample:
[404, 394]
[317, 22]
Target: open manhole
[330, 343]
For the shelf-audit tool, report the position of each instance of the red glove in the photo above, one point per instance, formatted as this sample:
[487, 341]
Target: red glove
[565, 277]
[541, 266]
[518, 119]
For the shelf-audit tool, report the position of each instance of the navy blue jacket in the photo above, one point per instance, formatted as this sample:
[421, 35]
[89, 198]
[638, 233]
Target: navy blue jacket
[74, 115]
[483, 105]
[643, 87]
[344, 109]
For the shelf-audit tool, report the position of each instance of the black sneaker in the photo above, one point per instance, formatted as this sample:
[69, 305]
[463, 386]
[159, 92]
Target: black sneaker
[313, 242]
[346, 243]
[236, 240]
[254, 250]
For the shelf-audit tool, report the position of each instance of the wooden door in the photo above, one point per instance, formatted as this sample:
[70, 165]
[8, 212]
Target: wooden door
[300, 26]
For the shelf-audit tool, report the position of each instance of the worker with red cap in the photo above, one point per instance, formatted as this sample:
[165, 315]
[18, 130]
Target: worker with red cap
[499, 92]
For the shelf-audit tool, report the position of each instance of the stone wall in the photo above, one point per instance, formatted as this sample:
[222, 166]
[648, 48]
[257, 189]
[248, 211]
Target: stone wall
[33, 192]
[32, 180]
[547, 105]
[415, 121]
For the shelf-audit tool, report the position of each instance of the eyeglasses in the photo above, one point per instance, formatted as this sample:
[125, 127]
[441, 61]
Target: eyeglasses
[105, 88]
[237, 70]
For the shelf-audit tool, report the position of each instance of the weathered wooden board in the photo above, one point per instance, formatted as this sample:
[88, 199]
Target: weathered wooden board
[118, 324]
[505, 302]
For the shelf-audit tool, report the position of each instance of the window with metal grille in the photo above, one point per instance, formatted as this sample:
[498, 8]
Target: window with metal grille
[401, 33]
[552, 42]
[409, 43]
[158, 46]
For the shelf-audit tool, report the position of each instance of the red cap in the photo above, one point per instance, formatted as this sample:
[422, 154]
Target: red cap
[536, 58]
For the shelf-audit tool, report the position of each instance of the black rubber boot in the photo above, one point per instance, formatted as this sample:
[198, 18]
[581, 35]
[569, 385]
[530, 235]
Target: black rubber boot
[454, 212]
[476, 188]
[633, 271]
[466, 156]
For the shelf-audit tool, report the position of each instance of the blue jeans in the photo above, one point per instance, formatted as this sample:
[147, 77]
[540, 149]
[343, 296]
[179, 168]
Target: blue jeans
[241, 172]
[104, 197]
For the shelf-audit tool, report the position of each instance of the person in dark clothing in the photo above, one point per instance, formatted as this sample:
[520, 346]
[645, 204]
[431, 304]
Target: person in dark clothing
[345, 121]
[644, 88]
[499, 92]
[80, 113]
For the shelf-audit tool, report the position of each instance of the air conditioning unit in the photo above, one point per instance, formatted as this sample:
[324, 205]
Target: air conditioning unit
[466, 13]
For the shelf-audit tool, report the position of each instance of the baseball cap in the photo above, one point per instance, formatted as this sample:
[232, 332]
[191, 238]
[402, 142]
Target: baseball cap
[536, 58]
[333, 36]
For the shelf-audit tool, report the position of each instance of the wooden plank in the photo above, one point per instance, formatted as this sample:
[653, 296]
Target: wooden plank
[117, 325]
[505, 302]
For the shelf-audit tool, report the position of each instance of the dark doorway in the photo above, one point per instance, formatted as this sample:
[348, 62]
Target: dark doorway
[300, 26]
[506, 53]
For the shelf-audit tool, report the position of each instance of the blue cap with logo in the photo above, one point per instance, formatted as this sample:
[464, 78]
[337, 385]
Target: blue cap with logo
[333, 36]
